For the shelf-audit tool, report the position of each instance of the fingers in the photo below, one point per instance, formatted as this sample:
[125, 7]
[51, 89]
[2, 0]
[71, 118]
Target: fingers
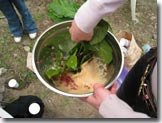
[83, 99]
[98, 85]
[100, 89]
[78, 35]
[113, 88]
[99, 95]
[91, 100]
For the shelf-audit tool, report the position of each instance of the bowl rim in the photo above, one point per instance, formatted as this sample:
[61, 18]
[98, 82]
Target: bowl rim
[59, 91]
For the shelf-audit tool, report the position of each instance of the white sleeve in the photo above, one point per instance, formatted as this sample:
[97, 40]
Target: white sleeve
[92, 11]
[113, 107]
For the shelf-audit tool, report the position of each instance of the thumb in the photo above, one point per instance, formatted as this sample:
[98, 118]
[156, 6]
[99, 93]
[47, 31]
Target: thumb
[98, 85]
[113, 88]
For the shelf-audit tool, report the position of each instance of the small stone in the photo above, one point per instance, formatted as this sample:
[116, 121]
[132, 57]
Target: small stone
[15, 54]
[2, 70]
[2, 89]
[27, 48]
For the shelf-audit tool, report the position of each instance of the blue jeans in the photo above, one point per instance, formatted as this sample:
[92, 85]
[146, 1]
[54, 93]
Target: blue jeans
[15, 25]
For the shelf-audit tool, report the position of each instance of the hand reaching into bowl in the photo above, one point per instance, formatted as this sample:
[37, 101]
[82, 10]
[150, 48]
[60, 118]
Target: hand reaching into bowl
[77, 35]
[100, 93]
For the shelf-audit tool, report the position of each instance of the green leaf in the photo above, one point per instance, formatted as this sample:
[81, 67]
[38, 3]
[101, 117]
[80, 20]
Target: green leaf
[70, 56]
[53, 72]
[104, 51]
[61, 10]
[62, 41]
[100, 32]
[72, 62]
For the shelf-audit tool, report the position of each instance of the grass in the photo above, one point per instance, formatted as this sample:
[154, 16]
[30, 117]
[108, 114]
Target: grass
[39, 17]
[13, 58]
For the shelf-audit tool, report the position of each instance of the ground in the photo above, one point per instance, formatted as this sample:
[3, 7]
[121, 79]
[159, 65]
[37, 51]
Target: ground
[13, 56]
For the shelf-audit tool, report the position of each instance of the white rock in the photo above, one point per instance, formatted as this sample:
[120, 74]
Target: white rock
[27, 48]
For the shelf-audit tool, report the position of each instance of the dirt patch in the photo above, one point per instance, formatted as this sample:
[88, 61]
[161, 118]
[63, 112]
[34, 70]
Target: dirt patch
[13, 56]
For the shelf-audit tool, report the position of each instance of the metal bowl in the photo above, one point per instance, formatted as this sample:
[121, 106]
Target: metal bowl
[55, 30]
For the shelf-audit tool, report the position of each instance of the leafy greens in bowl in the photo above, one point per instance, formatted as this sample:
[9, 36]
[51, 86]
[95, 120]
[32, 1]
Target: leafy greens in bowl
[70, 68]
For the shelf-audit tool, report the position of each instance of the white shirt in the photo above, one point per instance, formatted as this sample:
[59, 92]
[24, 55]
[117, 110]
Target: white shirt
[92, 11]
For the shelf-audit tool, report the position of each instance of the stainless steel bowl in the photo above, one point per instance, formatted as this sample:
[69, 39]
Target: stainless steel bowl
[49, 35]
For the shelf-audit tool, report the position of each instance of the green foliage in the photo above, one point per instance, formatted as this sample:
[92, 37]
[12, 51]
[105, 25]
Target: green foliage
[69, 56]
[53, 72]
[104, 51]
[100, 31]
[72, 62]
[61, 41]
[61, 10]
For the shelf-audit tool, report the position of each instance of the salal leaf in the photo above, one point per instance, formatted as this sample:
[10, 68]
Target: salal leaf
[72, 61]
[100, 32]
[104, 51]
[61, 10]
[53, 72]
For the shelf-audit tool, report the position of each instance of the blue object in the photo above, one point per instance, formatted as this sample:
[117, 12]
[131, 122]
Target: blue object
[121, 77]
[146, 48]
[15, 26]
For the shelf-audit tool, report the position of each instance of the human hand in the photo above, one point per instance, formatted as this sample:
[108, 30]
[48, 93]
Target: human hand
[100, 93]
[78, 35]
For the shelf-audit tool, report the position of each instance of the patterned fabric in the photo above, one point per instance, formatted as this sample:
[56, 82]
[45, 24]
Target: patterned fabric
[136, 90]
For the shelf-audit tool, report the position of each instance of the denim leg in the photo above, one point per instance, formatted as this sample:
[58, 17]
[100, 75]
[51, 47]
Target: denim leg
[14, 23]
[28, 22]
